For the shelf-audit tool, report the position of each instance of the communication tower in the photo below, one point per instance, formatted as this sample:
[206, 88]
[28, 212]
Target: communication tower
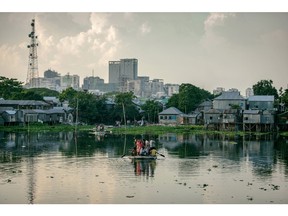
[33, 74]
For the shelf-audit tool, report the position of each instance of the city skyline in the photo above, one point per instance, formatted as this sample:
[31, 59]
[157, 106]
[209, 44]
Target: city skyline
[209, 50]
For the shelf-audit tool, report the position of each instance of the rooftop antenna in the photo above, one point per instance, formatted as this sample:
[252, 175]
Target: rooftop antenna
[32, 73]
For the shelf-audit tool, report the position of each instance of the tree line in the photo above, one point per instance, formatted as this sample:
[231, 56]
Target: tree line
[94, 109]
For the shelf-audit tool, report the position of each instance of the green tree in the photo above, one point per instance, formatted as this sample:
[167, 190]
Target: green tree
[173, 101]
[283, 97]
[70, 95]
[125, 109]
[43, 92]
[189, 97]
[9, 87]
[265, 87]
[25, 94]
[91, 108]
[151, 109]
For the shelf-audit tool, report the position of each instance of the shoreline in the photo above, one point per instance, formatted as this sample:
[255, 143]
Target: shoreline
[134, 130]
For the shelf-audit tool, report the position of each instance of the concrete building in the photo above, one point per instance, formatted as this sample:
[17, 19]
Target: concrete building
[157, 87]
[93, 83]
[69, 81]
[171, 89]
[122, 71]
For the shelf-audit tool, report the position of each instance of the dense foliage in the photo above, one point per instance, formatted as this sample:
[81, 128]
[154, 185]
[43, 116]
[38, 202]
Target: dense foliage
[265, 87]
[9, 88]
[151, 109]
[188, 98]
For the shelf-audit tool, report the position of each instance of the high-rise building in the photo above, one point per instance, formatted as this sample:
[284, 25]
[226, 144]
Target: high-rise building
[70, 81]
[122, 71]
[93, 83]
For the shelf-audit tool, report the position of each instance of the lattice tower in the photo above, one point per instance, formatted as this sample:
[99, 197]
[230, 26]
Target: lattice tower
[33, 73]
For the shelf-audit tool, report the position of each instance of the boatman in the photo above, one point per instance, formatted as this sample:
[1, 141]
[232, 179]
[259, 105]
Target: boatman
[153, 152]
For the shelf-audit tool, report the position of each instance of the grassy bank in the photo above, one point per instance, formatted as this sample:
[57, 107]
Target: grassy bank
[37, 127]
[149, 130]
[157, 129]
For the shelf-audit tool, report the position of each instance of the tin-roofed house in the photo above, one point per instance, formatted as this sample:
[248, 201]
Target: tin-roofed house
[267, 121]
[251, 120]
[213, 119]
[261, 102]
[229, 100]
[12, 117]
[231, 120]
[170, 116]
[265, 105]
[25, 104]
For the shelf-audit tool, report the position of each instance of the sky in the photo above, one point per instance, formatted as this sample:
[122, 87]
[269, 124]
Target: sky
[206, 49]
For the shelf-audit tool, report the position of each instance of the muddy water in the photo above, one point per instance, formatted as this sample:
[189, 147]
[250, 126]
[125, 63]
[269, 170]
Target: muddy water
[62, 168]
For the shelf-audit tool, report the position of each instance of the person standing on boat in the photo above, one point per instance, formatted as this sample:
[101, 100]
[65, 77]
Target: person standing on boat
[139, 146]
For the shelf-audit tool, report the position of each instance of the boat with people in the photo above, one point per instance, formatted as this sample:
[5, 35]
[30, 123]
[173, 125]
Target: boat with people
[146, 157]
[144, 150]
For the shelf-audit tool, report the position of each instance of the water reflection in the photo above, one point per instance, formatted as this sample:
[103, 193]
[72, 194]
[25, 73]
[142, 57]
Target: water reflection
[262, 151]
[44, 166]
[144, 167]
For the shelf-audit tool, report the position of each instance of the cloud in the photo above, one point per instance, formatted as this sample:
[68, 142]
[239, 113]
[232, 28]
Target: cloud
[145, 28]
[92, 47]
[11, 62]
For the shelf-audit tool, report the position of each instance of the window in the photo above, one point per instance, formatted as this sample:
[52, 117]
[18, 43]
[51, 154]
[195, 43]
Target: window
[211, 117]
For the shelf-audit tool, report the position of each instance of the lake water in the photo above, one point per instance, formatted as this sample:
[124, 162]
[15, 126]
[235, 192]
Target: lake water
[62, 168]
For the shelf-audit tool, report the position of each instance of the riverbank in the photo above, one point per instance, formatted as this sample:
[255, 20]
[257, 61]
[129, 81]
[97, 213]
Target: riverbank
[131, 130]
[38, 127]
[196, 129]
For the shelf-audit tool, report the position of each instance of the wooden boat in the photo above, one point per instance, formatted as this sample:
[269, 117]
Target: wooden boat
[138, 157]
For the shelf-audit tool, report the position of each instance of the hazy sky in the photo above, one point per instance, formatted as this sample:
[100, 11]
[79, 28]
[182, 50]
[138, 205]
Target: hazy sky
[209, 50]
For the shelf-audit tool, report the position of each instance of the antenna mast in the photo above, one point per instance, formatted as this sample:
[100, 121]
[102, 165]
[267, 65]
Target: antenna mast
[33, 73]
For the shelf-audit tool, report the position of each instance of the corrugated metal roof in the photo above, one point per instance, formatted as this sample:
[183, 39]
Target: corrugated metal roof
[206, 103]
[230, 111]
[230, 96]
[24, 102]
[267, 98]
[171, 111]
[10, 112]
[213, 111]
[251, 112]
